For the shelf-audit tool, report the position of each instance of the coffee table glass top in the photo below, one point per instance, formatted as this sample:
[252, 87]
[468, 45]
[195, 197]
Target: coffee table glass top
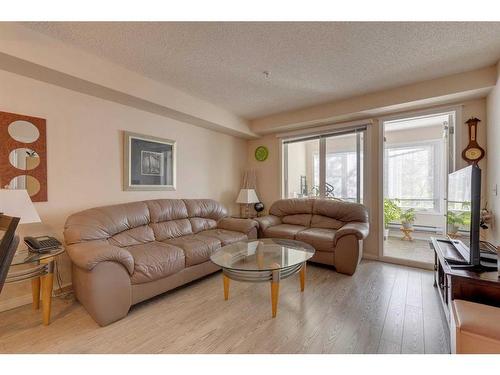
[263, 254]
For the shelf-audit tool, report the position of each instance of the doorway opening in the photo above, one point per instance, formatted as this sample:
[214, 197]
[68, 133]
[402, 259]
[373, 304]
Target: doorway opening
[418, 153]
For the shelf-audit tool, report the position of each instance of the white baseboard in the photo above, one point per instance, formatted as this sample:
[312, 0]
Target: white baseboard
[25, 299]
[370, 256]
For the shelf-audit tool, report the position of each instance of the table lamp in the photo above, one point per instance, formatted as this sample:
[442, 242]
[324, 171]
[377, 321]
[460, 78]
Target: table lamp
[17, 203]
[247, 197]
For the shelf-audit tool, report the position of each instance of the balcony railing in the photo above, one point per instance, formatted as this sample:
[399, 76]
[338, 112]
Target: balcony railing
[418, 203]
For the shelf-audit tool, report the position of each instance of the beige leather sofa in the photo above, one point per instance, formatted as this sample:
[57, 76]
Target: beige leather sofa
[336, 229]
[127, 253]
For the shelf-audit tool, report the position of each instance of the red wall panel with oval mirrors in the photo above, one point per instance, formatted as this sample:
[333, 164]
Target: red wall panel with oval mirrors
[23, 154]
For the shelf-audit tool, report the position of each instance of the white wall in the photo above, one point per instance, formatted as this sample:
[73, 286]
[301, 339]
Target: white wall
[84, 152]
[493, 161]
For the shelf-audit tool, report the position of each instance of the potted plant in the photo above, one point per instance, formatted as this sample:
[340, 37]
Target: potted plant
[454, 220]
[392, 212]
[408, 218]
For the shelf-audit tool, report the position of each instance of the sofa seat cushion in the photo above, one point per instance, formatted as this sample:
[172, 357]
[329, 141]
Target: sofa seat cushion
[319, 238]
[225, 236]
[197, 249]
[155, 260]
[283, 231]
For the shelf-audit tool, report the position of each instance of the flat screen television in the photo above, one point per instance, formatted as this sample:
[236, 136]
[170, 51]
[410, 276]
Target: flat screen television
[464, 212]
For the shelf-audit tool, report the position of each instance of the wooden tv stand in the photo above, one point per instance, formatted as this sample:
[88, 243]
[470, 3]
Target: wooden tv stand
[475, 286]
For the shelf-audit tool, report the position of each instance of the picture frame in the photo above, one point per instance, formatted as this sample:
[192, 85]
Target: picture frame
[149, 163]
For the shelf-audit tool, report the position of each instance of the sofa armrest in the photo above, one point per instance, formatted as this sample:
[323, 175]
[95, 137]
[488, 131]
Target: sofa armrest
[267, 221]
[87, 255]
[237, 225]
[357, 228]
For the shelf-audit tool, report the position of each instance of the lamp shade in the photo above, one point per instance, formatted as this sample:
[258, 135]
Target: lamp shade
[17, 203]
[247, 196]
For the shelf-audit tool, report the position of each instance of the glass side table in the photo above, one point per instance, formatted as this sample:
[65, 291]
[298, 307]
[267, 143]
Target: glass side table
[41, 274]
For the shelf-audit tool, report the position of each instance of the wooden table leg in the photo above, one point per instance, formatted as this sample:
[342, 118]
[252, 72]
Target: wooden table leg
[47, 284]
[35, 292]
[226, 287]
[275, 290]
[303, 277]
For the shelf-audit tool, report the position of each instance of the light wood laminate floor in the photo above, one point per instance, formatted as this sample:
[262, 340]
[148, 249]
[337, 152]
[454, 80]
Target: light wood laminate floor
[383, 308]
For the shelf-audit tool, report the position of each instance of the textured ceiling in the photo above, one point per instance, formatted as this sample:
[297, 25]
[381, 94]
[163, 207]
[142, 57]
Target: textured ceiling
[309, 63]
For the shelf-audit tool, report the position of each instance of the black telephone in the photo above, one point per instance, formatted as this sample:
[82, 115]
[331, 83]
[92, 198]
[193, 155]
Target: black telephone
[41, 243]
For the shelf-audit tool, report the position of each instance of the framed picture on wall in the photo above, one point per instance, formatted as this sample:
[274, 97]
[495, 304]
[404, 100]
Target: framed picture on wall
[149, 163]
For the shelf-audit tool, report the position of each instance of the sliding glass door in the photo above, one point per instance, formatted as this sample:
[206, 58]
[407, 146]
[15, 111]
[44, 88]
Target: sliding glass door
[418, 153]
[329, 166]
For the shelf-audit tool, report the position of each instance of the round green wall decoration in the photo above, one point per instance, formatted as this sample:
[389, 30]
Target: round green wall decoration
[261, 153]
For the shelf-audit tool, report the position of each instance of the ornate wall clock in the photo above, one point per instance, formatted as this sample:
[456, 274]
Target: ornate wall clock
[473, 152]
[261, 153]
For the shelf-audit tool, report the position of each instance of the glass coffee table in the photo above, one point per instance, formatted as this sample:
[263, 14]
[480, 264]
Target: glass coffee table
[261, 260]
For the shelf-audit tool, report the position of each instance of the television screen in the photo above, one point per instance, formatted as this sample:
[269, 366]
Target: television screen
[464, 195]
[459, 205]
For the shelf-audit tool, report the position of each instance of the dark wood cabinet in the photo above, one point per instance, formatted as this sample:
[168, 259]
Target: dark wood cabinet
[475, 286]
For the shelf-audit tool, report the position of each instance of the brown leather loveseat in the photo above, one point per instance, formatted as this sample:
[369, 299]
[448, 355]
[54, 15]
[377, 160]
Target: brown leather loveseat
[336, 229]
[124, 254]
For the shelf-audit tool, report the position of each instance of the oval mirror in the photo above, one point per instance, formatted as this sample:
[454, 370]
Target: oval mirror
[23, 131]
[30, 183]
[24, 158]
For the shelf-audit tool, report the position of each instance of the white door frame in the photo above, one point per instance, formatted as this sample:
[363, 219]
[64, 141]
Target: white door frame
[457, 141]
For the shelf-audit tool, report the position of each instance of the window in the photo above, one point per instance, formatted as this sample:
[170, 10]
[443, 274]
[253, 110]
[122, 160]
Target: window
[413, 175]
[341, 174]
[301, 169]
[325, 166]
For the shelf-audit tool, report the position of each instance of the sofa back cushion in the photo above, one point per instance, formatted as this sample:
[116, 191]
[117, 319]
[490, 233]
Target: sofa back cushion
[134, 223]
[171, 229]
[318, 213]
[133, 236]
[286, 207]
[200, 224]
[169, 218]
[105, 222]
[167, 209]
[298, 219]
[340, 210]
[320, 221]
[204, 213]
[205, 208]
